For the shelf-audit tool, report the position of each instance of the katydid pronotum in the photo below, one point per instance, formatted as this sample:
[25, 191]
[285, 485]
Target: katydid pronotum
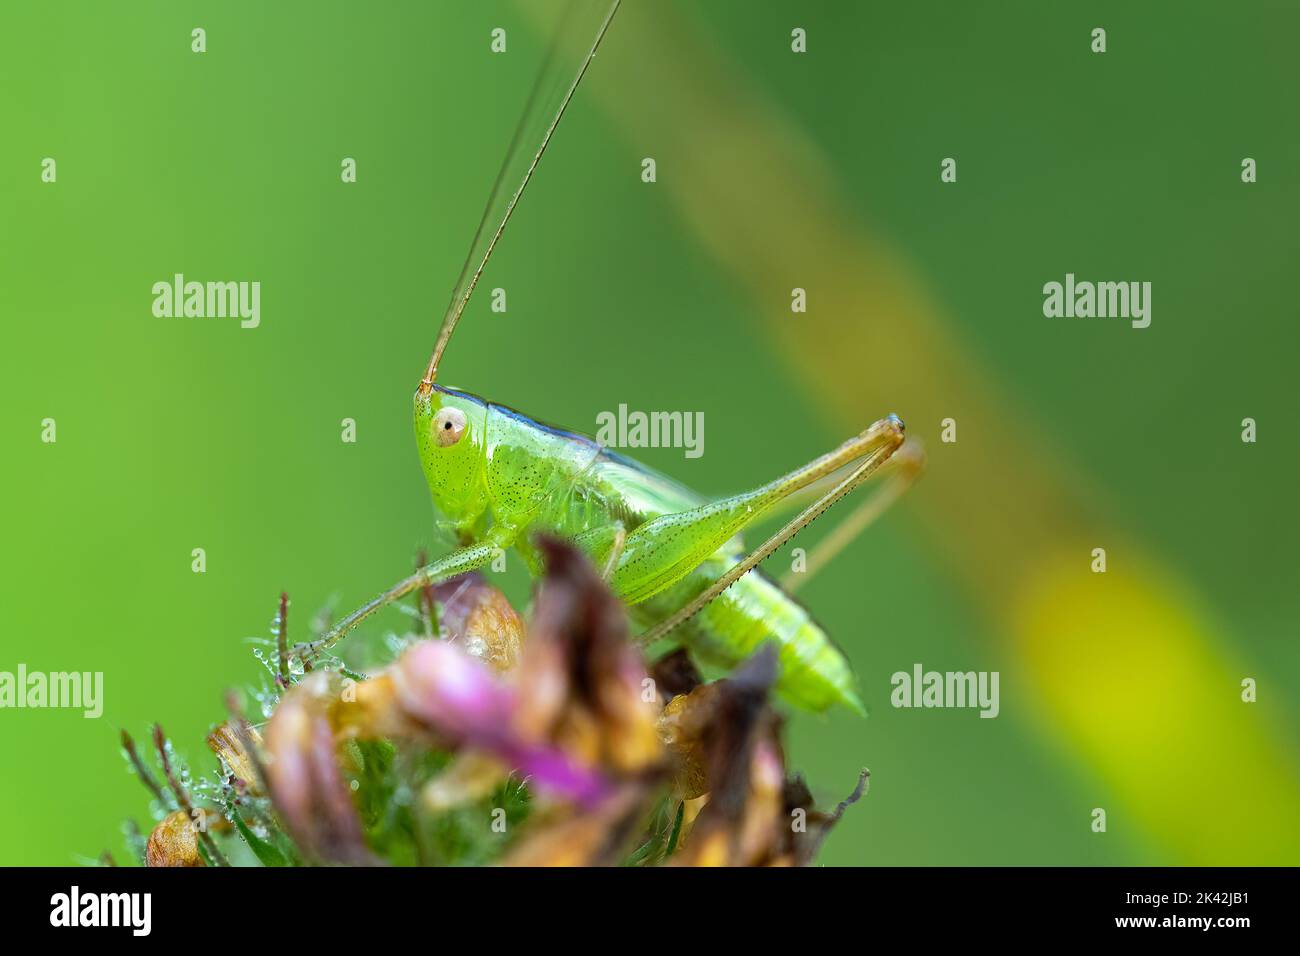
[674, 558]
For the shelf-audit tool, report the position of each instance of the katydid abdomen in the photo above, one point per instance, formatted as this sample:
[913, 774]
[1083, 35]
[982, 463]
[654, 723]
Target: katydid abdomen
[814, 673]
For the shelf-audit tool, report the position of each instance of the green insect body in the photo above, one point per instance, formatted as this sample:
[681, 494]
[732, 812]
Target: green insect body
[499, 477]
[675, 558]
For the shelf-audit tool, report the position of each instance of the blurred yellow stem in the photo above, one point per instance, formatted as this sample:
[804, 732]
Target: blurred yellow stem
[1122, 666]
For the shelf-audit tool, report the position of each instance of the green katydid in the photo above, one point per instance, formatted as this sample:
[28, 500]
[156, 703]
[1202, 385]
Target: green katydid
[675, 558]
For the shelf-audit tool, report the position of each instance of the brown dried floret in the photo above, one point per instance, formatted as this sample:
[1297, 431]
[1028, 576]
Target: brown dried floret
[600, 836]
[682, 728]
[469, 777]
[479, 618]
[582, 685]
[304, 777]
[228, 742]
[741, 824]
[369, 710]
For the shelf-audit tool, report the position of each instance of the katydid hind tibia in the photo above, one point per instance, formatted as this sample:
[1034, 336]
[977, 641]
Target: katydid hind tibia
[498, 478]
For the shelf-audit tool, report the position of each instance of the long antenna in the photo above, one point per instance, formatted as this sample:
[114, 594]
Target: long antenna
[460, 298]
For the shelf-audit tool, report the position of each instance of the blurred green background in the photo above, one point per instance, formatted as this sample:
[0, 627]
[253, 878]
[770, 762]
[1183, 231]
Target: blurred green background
[775, 170]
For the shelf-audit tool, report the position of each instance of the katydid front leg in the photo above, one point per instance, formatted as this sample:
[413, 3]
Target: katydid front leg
[460, 561]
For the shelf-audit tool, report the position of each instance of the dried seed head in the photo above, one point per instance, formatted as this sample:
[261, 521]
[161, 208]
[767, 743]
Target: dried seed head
[577, 719]
[174, 842]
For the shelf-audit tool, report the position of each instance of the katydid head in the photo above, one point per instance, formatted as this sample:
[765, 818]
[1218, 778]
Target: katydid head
[449, 425]
[450, 433]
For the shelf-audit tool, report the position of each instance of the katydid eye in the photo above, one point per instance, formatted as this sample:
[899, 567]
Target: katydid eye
[448, 426]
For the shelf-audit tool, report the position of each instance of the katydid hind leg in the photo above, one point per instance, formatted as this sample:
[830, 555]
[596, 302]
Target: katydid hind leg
[897, 475]
[664, 550]
[877, 445]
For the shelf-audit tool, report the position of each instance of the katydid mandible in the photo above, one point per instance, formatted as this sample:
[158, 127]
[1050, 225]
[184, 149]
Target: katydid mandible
[497, 478]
